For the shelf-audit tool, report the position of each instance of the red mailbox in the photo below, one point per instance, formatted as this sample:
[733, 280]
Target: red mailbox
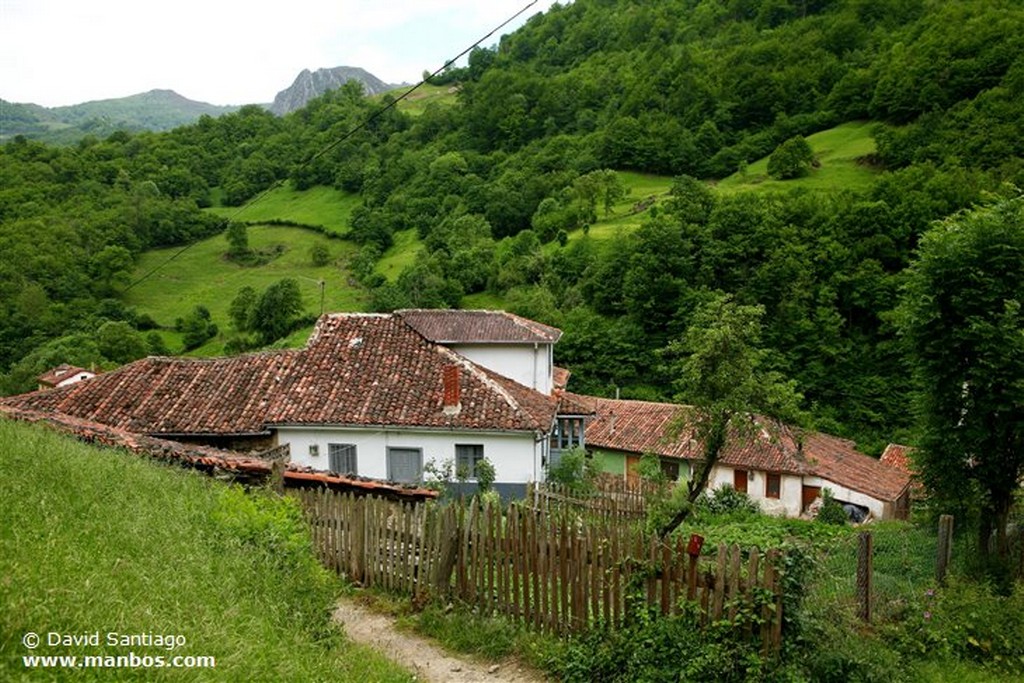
[696, 543]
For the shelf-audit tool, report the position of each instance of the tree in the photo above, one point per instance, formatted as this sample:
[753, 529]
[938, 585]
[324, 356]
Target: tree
[238, 240]
[276, 311]
[196, 327]
[241, 308]
[723, 375]
[319, 255]
[960, 316]
[791, 159]
[120, 342]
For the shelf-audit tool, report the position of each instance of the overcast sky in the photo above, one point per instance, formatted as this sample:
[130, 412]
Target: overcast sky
[59, 52]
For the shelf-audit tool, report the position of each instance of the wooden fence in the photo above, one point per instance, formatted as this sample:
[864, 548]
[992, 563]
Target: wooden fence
[551, 572]
[611, 497]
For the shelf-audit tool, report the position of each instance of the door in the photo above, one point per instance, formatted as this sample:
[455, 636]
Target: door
[739, 480]
[808, 495]
[405, 465]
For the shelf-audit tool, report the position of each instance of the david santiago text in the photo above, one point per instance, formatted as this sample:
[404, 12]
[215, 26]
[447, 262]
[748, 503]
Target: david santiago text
[167, 641]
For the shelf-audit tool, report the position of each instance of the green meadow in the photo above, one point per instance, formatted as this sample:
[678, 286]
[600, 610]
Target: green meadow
[322, 207]
[178, 280]
[839, 152]
[98, 540]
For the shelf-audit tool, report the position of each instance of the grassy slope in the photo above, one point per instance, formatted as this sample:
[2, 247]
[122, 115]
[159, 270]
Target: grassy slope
[98, 540]
[201, 275]
[320, 206]
[837, 151]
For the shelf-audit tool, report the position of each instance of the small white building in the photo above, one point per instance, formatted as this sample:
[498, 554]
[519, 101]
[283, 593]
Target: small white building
[63, 375]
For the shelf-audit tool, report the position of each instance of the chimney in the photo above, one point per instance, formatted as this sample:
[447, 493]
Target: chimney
[452, 391]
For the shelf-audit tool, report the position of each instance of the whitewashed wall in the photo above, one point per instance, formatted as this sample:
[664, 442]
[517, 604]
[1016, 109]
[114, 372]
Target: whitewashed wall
[529, 364]
[847, 495]
[516, 456]
[788, 503]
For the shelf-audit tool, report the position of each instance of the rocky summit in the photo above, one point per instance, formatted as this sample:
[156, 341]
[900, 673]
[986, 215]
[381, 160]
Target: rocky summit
[309, 84]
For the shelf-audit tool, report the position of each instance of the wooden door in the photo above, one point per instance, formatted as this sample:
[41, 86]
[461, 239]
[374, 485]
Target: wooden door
[808, 496]
[739, 480]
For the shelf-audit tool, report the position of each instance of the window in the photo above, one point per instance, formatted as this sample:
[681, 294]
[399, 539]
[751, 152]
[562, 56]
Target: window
[670, 468]
[341, 458]
[772, 486]
[568, 432]
[314, 450]
[466, 458]
[405, 465]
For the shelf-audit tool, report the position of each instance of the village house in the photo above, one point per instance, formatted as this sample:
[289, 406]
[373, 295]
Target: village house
[63, 375]
[380, 396]
[781, 468]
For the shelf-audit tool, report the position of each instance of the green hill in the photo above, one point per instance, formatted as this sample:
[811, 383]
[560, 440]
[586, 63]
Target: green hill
[201, 275]
[155, 110]
[134, 547]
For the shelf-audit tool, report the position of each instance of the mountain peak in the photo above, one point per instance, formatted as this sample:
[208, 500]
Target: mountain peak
[310, 84]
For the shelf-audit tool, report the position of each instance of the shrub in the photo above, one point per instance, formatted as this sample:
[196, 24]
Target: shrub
[726, 500]
[831, 511]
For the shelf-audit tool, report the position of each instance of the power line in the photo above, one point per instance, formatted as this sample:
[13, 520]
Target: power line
[358, 127]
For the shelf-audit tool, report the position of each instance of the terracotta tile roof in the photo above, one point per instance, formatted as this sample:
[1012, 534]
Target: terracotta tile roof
[357, 369]
[375, 370]
[646, 427]
[560, 377]
[898, 456]
[175, 395]
[478, 327]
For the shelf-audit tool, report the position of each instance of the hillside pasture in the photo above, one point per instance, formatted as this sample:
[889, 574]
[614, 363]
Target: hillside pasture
[202, 275]
[98, 540]
[840, 152]
[322, 207]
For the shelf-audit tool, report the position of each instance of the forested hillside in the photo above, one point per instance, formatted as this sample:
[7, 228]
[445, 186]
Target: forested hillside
[502, 185]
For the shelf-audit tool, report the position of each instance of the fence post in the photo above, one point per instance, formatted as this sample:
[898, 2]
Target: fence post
[864, 571]
[945, 550]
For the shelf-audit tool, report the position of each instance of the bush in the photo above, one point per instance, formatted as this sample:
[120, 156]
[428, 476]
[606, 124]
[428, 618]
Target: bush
[574, 470]
[726, 500]
[831, 511]
[970, 622]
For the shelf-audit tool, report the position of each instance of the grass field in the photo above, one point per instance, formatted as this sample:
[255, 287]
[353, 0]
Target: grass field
[400, 255]
[201, 275]
[95, 540]
[423, 96]
[837, 150]
[319, 206]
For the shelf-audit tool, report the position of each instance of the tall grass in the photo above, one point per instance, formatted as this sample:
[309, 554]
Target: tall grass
[98, 540]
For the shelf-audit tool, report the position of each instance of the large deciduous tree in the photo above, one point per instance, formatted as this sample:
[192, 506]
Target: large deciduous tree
[724, 376]
[961, 318]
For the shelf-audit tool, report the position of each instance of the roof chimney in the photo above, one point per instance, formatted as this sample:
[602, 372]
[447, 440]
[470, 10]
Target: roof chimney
[452, 391]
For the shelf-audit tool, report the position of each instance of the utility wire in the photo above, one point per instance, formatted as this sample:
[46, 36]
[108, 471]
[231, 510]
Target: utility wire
[358, 127]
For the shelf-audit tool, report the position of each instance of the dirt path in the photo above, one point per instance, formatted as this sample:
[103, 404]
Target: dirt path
[428, 661]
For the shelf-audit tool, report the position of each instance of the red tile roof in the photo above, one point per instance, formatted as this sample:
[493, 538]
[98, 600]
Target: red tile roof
[210, 459]
[648, 427]
[478, 327]
[357, 369]
[560, 377]
[898, 456]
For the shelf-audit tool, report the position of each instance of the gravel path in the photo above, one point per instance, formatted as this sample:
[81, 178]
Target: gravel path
[428, 661]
